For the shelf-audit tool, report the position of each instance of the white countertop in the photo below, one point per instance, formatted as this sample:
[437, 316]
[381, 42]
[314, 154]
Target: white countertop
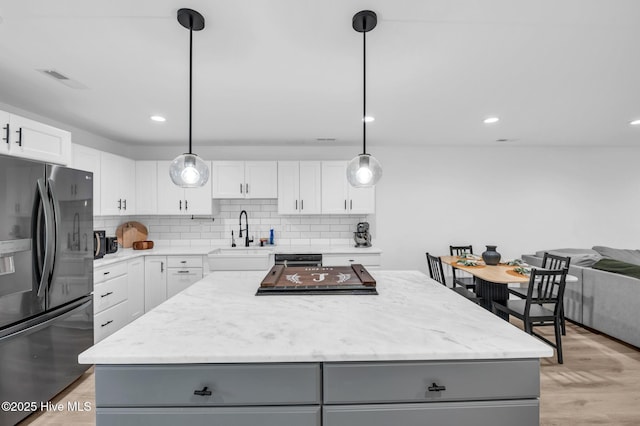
[220, 320]
[127, 254]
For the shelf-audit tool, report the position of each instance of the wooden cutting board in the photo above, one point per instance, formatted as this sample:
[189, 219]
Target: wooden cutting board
[130, 232]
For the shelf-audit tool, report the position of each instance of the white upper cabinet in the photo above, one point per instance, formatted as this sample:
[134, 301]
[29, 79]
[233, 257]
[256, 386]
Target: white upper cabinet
[338, 197]
[244, 179]
[299, 187]
[118, 185]
[84, 158]
[146, 187]
[25, 138]
[6, 132]
[175, 200]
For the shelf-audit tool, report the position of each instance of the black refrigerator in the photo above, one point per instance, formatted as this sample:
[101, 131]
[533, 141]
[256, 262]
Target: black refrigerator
[46, 281]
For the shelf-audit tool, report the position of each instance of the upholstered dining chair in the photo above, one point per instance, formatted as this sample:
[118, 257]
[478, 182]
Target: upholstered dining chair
[436, 271]
[459, 277]
[549, 261]
[542, 306]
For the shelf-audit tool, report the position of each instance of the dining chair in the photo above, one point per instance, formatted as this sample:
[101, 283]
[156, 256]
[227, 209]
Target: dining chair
[464, 280]
[436, 271]
[549, 261]
[542, 306]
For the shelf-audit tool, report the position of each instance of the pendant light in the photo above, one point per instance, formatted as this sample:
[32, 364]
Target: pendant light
[188, 170]
[364, 170]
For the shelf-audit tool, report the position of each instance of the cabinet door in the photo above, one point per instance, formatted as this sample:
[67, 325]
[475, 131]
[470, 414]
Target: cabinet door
[146, 187]
[128, 185]
[84, 158]
[38, 141]
[180, 278]
[5, 128]
[111, 201]
[310, 187]
[228, 179]
[261, 179]
[198, 200]
[135, 284]
[170, 196]
[362, 200]
[155, 281]
[288, 187]
[335, 198]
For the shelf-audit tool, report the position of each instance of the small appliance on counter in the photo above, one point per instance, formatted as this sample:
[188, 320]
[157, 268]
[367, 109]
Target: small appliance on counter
[362, 237]
[112, 245]
[99, 244]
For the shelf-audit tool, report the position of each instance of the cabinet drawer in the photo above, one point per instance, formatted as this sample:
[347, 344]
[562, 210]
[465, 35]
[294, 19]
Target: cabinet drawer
[228, 416]
[494, 413]
[410, 382]
[110, 320]
[110, 293]
[180, 278]
[366, 259]
[184, 261]
[107, 272]
[230, 384]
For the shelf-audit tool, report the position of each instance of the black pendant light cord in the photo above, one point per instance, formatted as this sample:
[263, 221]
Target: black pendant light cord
[364, 92]
[190, 76]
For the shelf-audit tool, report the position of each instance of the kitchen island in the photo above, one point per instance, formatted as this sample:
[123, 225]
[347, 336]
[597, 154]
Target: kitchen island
[217, 354]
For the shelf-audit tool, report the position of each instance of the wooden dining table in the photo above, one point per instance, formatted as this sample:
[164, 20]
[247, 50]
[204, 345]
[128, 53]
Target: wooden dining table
[491, 280]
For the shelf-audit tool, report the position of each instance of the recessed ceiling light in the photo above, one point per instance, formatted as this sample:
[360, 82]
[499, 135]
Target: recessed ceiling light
[368, 119]
[635, 123]
[491, 120]
[158, 118]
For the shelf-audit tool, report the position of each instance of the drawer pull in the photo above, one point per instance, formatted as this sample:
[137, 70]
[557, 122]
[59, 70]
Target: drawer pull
[106, 323]
[183, 272]
[183, 261]
[107, 294]
[203, 392]
[435, 388]
[106, 273]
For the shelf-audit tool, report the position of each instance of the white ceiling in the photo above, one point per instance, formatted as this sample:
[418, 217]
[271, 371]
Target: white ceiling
[290, 71]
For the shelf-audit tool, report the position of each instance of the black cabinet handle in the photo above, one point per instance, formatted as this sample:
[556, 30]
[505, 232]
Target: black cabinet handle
[125, 204]
[296, 204]
[106, 273]
[180, 204]
[161, 266]
[106, 294]
[186, 205]
[246, 187]
[350, 204]
[183, 261]
[241, 187]
[203, 392]
[19, 132]
[435, 388]
[183, 272]
[6, 137]
[120, 204]
[301, 204]
[106, 323]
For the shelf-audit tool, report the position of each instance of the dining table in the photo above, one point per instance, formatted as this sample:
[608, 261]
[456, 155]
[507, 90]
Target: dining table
[491, 280]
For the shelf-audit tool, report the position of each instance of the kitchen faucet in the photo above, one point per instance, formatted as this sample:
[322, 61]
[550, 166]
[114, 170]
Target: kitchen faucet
[246, 229]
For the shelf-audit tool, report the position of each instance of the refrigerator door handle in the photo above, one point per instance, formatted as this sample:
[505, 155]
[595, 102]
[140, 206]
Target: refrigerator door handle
[48, 252]
[55, 208]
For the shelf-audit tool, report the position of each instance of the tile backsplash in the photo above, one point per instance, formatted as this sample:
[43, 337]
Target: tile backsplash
[263, 215]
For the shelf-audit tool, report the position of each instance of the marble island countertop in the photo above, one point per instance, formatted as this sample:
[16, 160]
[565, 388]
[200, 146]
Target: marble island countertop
[220, 320]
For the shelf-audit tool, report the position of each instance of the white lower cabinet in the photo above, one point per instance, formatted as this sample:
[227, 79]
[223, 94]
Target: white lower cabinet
[135, 287]
[110, 295]
[364, 259]
[155, 281]
[182, 272]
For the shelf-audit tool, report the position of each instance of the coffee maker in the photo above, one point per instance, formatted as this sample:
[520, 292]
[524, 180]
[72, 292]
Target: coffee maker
[362, 236]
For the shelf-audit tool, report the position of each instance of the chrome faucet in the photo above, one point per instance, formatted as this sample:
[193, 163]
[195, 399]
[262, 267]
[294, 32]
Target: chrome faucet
[246, 229]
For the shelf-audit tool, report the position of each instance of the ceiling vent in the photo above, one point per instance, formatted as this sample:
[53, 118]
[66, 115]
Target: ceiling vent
[63, 79]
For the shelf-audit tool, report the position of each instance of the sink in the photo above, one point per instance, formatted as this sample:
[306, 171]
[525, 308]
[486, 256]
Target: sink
[240, 259]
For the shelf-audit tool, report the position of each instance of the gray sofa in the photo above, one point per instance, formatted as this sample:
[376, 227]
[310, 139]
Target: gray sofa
[605, 301]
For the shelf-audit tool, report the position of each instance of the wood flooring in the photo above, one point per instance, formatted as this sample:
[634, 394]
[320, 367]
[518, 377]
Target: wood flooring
[598, 384]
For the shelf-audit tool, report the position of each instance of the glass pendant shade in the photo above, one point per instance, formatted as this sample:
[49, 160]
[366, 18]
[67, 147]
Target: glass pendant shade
[189, 171]
[364, 171]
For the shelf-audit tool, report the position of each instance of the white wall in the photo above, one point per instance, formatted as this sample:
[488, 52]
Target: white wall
[520, 199]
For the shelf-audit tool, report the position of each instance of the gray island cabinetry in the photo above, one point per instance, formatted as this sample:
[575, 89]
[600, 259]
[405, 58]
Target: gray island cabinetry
[416, 354]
